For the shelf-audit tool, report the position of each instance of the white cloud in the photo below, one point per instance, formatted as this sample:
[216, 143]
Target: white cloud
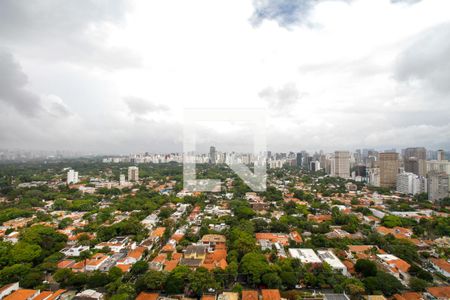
[350, 76]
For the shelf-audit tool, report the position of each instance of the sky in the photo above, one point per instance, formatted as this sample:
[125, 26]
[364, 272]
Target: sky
[119, 76]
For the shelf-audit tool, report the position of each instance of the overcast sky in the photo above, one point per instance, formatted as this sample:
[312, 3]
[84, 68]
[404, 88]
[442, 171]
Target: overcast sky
[115, 76]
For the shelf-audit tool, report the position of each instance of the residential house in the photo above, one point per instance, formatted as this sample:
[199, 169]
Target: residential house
[438, 293]
[8, 289]
[441, 265]
[89, 294]
[74, 251]
[396, 266]
[22, 294]
[334, 262]
[117, 244]
[147, 296]
[96, 262]
[305, 255]
[270, 294]
[250, 295]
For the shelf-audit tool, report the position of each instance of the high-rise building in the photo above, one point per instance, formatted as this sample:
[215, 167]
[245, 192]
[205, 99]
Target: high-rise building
[440, 155]
[358, 156]
[133, 174]
[361, 171]
[438, 185]
[414, 160]
[314, 165]
[438, 166]
[373, 176]
[212, 155]
[307, 159]
[410, 183]
[299, 159]
[417, 152]
[72, 177]
[389, 166]
[122, 179]
[340, 164]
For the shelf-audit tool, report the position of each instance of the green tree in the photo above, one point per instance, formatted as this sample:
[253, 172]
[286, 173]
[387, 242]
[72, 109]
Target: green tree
[5, 253]
[114, 273]
[289, 279]
[154, 280]
[97, 279]
[46, 237]
[140, 267]
[366, 267]
[243, 242]
[417, 284]
[31, 280]
[272, 280]
[254, 265]
[176, 280]
[62, 276]
[201, 280]
[78, 280]
[386, 283]
[25, 253]
[14, 273]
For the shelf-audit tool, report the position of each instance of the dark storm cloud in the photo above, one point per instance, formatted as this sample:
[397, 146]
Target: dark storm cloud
[13, 87]
[427, 60]
[65, 30]
[139, 106]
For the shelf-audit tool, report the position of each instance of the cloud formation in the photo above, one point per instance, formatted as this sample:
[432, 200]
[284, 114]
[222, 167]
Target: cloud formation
[282, 98]
[139, 106]
[13, 87]
[66, 31]
[284, 12]
[427, 60]
[348, 81]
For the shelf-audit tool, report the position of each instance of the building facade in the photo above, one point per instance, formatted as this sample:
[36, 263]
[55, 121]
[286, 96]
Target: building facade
[389, 166]
[340, 164]
[133, 174]
[438, 185]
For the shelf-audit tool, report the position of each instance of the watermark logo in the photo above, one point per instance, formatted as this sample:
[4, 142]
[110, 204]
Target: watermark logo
[256, 118]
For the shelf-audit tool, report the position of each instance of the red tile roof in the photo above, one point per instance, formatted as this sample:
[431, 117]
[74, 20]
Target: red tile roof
[21, 294]
[147, 296]
[440, 292]
[270, 294]
[249, 295]
[441, 263]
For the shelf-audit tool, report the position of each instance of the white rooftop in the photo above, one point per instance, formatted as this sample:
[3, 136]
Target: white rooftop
[305, 255]
[331, 259]
[387, 257]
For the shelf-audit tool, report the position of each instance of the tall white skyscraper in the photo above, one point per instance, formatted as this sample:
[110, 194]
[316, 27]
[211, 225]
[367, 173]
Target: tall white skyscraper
[340, 164]
[133, 174]
[72, 177]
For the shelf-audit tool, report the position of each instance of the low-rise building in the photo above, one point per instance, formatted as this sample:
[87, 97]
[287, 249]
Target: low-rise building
[441, 265]
[74, 251]
[334, 262]
[396, 266]
[305, 255]
[117, 244]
